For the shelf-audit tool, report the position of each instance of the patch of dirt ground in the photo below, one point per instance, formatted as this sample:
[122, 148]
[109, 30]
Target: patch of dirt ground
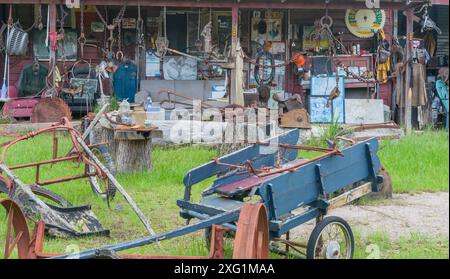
[423, 213]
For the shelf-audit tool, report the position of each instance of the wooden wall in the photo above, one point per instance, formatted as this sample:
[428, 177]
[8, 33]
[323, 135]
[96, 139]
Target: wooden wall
[301, 17]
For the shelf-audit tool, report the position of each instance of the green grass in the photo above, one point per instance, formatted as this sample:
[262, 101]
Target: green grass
[419, 162]
[416, 163]
[378, 245]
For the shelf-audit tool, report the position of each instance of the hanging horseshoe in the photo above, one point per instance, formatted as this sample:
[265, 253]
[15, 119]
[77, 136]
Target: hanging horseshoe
[119, 55]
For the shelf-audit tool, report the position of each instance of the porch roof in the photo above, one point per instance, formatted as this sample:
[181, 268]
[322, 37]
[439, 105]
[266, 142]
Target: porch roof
[247, 4]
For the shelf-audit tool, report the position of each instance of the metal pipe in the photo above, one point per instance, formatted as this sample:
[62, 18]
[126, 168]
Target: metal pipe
[52, 161]
[64, 179]
[225, 217]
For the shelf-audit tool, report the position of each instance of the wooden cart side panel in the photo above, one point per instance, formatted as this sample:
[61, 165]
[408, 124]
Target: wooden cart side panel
[306, 185]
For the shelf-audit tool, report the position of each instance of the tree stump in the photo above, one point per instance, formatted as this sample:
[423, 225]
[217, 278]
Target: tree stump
[133, 155]
[131, 150]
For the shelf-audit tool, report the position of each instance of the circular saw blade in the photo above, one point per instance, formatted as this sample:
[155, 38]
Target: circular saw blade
[50, 110]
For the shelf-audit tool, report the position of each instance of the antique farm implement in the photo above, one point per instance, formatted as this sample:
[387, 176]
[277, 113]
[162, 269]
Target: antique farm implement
[265, 190]
[40, 204]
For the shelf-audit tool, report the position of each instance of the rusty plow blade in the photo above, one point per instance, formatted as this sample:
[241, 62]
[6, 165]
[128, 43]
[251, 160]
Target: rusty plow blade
[62, 222]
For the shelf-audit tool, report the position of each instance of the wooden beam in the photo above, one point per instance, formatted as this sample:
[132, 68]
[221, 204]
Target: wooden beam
[234, 27]
[350, 196]
[236, 80]
[276, 4]
[52, 30]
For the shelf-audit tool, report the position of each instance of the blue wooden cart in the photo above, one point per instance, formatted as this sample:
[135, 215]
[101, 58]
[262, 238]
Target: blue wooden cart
[293, 190]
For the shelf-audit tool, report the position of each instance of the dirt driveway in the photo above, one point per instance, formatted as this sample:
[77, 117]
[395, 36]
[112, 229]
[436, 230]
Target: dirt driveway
[424, 213]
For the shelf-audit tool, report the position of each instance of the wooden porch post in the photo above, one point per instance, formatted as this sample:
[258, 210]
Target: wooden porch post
[234, 27]
[408, 89]
[52, 30]
[236, 91]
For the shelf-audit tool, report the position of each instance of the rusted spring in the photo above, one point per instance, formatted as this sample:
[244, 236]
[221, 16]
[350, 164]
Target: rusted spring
[252, 235]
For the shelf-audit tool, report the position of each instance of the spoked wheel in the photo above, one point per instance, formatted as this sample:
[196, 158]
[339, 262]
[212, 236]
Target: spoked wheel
[17, 234]
[332, 238]
[103, 186]
[252, 235]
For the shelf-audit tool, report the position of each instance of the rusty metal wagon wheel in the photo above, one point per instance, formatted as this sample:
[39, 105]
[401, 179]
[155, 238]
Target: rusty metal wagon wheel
[17, 234]
[252, 235]
[332, 238]
[103, 186]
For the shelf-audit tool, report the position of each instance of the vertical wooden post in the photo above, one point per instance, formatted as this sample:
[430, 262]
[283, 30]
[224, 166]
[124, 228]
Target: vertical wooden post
[408, 89]
[236, 91]
[234, 27]
[52, 30]
[287, 70]
[395, 58]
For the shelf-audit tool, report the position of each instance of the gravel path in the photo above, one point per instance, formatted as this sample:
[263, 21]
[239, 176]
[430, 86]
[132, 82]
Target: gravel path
[424, 213]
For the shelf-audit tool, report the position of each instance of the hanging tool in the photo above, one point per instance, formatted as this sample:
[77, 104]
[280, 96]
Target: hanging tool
[428, 24]
[82, 38]
[162, 43]
[111, 27]
[4, 89]
[335, 92]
